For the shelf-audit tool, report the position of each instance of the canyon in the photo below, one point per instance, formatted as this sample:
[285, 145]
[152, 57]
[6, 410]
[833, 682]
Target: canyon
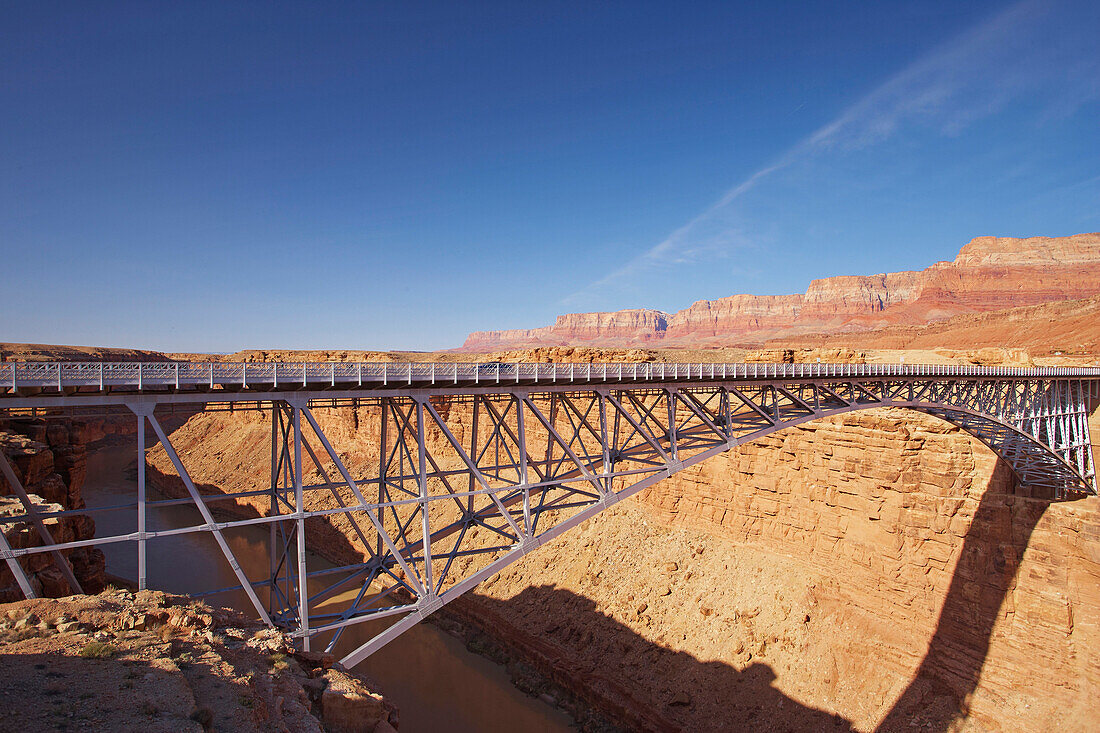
[989, 274]
[879, 570]
[757, 585]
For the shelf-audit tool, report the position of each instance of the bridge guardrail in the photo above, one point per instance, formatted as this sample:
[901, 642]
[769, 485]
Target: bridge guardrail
[243, 375]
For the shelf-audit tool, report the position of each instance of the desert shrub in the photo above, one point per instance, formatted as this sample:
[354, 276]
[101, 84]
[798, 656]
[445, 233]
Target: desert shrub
[97, 650]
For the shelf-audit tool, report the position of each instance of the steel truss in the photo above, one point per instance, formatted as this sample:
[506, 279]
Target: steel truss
[467, 479]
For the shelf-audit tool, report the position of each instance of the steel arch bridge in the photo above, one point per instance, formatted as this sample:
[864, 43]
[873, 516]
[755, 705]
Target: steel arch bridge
[479, 464]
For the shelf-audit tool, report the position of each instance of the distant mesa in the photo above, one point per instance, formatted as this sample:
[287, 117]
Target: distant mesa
[989, 274]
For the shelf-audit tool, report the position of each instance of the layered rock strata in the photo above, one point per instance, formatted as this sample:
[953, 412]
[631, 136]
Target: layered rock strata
[870, 571]
[756, 586]
[55, 352]
[628, 326]
[989, 273]
[48, 458]
[1069, 327]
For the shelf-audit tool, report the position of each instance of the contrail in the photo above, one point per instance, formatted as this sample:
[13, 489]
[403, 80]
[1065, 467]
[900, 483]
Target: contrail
[968, 78]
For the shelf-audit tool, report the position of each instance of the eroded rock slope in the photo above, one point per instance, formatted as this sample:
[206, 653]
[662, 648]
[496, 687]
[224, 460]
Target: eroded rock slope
[147, 662]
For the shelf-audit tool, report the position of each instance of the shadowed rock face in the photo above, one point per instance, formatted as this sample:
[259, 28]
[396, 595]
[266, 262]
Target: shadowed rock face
[49, 459]
[990, 273]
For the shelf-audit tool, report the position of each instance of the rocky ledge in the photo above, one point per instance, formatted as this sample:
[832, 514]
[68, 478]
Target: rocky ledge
[150, 662]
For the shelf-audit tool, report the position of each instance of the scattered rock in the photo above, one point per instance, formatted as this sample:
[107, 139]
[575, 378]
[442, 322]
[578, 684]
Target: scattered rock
[197, 677]
[347, 706]
[680, 697]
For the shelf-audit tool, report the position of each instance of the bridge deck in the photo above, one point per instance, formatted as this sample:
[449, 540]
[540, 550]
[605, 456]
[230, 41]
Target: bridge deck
[20, 379]
[441, 499]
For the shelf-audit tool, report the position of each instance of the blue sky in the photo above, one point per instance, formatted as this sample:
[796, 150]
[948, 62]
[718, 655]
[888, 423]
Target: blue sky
[209, 177]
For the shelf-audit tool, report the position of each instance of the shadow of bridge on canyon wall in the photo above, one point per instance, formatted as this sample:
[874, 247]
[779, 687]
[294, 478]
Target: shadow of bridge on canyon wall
[617, 665]
[613, 669]
[984, 576]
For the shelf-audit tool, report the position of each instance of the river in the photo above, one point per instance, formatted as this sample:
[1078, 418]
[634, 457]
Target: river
[436, 683]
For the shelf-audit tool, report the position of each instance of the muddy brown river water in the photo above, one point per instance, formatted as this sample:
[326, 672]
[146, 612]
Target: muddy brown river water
[435, 681]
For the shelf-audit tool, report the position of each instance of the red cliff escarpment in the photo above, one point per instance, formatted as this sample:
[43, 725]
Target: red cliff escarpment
[737, 315]
[1032, 251]
[990, 273]
[626, 326]
[838, 299]
[1068, 327]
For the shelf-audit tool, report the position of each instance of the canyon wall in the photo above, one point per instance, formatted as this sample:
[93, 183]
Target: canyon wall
[53, 352]
[48, 458]
[1068, 327]
[989, 273]
[879, 568]
[875, 570]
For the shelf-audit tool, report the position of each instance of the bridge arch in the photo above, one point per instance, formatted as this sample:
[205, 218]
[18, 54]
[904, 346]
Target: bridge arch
[1034, 463]
[516, 453]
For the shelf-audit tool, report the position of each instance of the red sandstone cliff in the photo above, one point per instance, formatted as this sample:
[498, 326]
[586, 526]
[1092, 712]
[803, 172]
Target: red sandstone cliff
[635, 325]
[989, 273]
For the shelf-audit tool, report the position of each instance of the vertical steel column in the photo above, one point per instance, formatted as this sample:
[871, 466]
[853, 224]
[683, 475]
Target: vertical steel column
[521, 434]
[141, 556]
[425, 523]
[299, 508]
[473, 455]
[553, 415]
[383, 462]
[273, 507]
[671, 424]
[605, 442]
[615, 426]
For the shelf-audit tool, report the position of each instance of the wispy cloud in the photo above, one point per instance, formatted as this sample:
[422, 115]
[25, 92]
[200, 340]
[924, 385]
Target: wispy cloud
[977, 74]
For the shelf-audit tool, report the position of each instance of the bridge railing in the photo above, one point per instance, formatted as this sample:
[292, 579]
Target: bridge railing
[245, 375]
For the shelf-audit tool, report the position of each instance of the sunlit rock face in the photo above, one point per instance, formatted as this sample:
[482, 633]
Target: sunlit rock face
[877, 568]
[627, 326]
[990, 273]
